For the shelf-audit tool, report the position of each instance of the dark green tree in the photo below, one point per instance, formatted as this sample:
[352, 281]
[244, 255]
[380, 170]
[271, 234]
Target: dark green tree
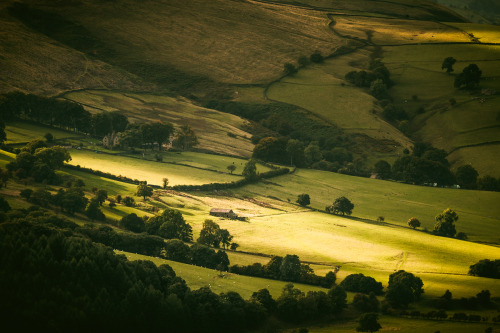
[290, 268]
[316, 57]
[176, 250]
[365, 303]
[466, 176]
[185, 138]
[403, 289]
[378, 89]
[170, 224]
[289, 69]
[341, 205]
[231, 168]
[368, 322]
[383, 169]
[133, 223]
[470, 77]
[448, 64]
[303, 199]
[250, 171]
[4, 205]
[338, 299]
[413, 222]
[445, 223]
[93, 211]
[143, 190]
[101, 196]
[209, 234]
[295, 150]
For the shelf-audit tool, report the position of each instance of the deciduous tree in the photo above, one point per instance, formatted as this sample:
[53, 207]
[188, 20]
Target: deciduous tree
[445, 223]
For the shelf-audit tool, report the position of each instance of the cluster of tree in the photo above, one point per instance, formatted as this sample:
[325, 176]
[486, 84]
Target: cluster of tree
[290, 136]
[377, 71]
[295, 306]
[196, 254]
[141, 135]
[486, 268]
[288, 268]
[303, 199]
[426, 164]
[38, 161]
[445, 225]
[481, 300]
[290, 69]
[341, 205]
[61, 283]
[361, 284]
[170, 224]
[212, 235]
[403, 288]
[468, 79]
[432, 314]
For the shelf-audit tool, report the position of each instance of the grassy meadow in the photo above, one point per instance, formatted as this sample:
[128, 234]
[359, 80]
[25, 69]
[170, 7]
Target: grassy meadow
[469, 125]
[23, 132]
[217, 132]
[146, 170]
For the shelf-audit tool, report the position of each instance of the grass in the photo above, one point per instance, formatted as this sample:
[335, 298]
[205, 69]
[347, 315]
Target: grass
[145, 170]
[212, 127]
[484, 32]
[21, 132]
[472, 121]
[197, 277]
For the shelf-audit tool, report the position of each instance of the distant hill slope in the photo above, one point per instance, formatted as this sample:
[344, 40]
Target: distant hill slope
[478, 11]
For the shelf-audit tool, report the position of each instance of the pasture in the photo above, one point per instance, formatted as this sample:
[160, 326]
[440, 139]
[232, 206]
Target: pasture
[23, 132]
[197, 277]
[218, 132]
[472, 121]
[146, 170]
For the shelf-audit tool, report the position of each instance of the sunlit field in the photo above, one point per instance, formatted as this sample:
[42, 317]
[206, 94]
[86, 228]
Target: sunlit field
[22, 132]
[146, 170]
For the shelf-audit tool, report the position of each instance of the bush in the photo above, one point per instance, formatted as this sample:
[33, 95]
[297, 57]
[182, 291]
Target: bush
[362, 284]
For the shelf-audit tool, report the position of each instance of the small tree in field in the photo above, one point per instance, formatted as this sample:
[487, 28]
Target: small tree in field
[165, 183]
[414, 222]
[231, 168]
[368, 322]
[341, 205]
[448, 64]
[303, 199]
[445, 223]
[289, 69]
[143, 190]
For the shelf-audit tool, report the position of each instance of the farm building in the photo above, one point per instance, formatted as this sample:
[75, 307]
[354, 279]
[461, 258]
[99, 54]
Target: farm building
[228, 213]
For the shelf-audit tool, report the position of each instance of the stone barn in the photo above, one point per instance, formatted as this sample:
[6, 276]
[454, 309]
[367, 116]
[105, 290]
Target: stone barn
[220, 212]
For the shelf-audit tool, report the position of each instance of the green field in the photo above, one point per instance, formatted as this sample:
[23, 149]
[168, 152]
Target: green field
[197, 277]
[20, 132]
[472, 121]
[146, 170]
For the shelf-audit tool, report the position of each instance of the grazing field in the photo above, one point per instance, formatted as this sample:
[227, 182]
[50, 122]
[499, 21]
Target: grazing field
[197, 277]
[472, 121]
[486, 33]
[21, 132]
[478, 210]
[321, 89]
[218, 132]
[145, 170]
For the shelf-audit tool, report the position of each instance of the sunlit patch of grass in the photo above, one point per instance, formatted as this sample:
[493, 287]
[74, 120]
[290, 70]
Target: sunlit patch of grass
[485, 33]
[152, 172]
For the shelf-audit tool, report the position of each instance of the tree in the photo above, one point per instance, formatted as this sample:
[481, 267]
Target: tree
[127, 201]
[378, 89]
[93, 212]
[231, 168]
[133, 223]
[303, 61]
[49, 137]
[295, 149]
[4, 205]
[185, 138]
[341, 205]
[448, 64]
[303, 199]
[3, 135]
[170, 224]
[365, 303]
[143, 190]
[4, 177]
[445, 223]
[470, 77]
[101, 196]
[156, 132]
[176, 250]
[362, 284]
[290, 268]
[250, 171]
[165, 183]
[414, 222]
[383, 169]
[225, 238]
[312, 153]
[368, 322]
[466, 176]
[338, 299]
[209, 234]
[403, 288]
[316, 57]
[54, 157]
[289, 69]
